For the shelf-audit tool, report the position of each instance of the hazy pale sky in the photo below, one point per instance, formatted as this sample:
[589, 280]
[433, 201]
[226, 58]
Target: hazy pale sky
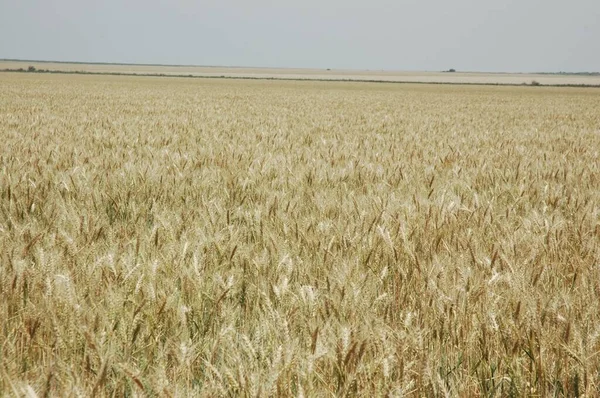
[474, 35]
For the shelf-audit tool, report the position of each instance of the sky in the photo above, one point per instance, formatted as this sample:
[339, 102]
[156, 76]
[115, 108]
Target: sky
[402, 35]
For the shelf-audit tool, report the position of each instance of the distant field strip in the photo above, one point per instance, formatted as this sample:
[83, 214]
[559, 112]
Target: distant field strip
[314, 74]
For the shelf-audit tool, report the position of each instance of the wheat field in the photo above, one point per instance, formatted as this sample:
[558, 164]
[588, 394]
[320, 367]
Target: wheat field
[177, 237]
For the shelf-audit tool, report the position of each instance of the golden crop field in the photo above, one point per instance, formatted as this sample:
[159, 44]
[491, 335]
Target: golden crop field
[177, 237]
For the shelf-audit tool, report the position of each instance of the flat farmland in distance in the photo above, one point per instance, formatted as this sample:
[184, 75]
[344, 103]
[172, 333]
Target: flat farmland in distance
[315, 74]
[176, 237]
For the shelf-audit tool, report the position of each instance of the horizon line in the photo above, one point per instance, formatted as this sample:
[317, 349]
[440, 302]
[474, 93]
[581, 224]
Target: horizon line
[451, 70]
